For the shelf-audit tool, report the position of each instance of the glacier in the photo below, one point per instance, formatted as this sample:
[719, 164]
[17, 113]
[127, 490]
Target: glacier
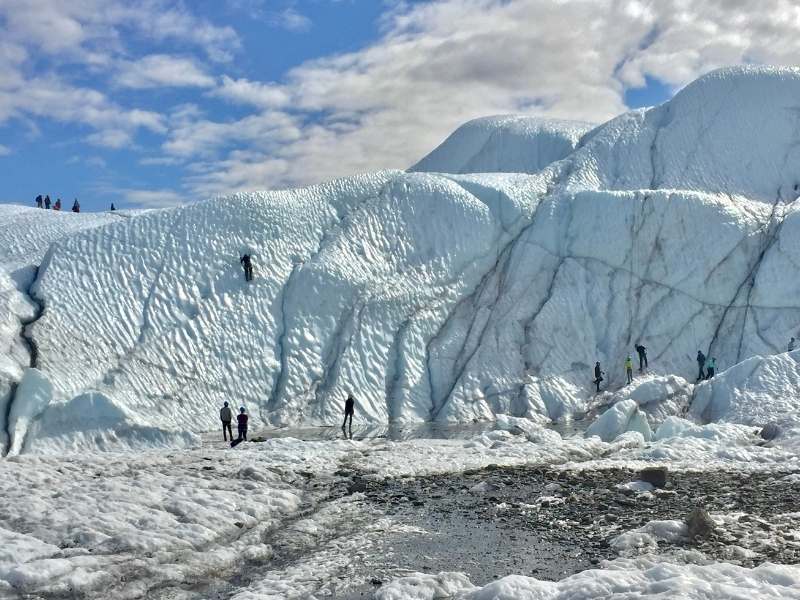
[485, 280]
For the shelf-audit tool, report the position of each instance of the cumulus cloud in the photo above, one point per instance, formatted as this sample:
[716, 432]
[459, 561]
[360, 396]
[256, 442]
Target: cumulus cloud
[157, 198]
[291, 20]
[441, 63]
[162, 70]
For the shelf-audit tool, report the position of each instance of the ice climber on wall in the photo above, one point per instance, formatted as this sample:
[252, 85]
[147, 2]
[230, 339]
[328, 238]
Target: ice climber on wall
[629, 368]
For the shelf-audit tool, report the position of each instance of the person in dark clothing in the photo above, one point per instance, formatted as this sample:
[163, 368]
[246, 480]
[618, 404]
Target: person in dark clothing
[113, 207]
[247, 264]
[47, 202]
[226, 416]
[57, 205]
[76, 207]
[701, 364]
[642, 352]
[241, 420]
[598, 375]
[39, 201]
[349, 411]
[791, 345]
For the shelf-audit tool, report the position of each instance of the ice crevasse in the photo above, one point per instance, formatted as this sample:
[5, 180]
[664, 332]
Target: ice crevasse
[441, 296]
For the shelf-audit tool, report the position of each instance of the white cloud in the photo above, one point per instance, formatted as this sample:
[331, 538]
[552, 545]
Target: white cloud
[162, 70]
[441, 63]
[158, 198]
[290, 20]
[4, 150]
[253, 93]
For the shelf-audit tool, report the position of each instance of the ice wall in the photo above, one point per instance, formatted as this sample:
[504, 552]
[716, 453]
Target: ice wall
[447, 297]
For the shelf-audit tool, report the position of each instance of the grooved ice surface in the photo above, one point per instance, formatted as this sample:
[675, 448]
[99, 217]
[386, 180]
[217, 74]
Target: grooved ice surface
[446, 297]
[25, 237]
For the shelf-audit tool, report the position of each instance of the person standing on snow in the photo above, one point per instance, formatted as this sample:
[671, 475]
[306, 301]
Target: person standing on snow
[57, 205]
[629, 368]
[598, 375]
[349, 411]
[226, 416]
[711, 366]
[791, 345]
[47, 202]
[39, 201]
[113, 208]
[642, 352]
[247, 264]
[76, 207]
[241, 420]
[701, 363]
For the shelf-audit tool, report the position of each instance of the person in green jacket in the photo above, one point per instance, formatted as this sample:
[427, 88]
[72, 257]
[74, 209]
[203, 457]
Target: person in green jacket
[629, 368]
[711, 366]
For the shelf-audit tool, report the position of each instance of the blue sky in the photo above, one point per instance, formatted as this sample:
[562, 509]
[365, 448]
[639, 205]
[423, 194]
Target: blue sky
[168, 102]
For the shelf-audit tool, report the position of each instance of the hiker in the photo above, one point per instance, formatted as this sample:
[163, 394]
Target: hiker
[791, 345]
[711, 365]
[701, 363]
[113, 208]
[39, 201]
[598, 375]
[47, 202]
[57, 205]
[642, 352]
[247, 263]
[241, 420]
[629, 368]
[76, 208]
[226, 416]
[349, 410]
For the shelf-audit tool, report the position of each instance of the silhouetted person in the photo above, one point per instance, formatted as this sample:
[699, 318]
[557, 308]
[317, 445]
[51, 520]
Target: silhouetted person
[711, 367]
[39, 201]
[598, 375]
[241, 420]
[701, 364]
[247, 264]
[226, 416]
[47, 202]
[349, 411]
[76, 207]
[791, 345]
[642, 352]
[629, 368]
[57, 205]
[113, 207]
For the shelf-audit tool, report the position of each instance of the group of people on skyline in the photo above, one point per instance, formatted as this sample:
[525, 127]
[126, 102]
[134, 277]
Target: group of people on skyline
[46, 203]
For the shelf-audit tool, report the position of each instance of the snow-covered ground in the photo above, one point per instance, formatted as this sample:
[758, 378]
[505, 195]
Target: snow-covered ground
[481, 285]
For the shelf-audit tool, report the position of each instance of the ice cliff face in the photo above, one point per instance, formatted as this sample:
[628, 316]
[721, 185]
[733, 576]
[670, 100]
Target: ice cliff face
[505, 144]
[443, 296]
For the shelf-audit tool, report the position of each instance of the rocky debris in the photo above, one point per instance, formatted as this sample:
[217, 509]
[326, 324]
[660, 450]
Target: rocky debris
[769, 432]
[700, 523]
[655, 476]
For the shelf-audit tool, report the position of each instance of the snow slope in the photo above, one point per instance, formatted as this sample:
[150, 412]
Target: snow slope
[442, 297]
[506, 144]
[25, 237]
